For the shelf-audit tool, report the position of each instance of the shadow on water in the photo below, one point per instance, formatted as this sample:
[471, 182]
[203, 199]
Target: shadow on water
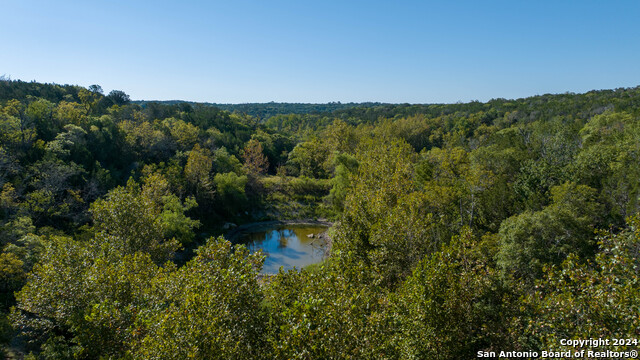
[288, 246]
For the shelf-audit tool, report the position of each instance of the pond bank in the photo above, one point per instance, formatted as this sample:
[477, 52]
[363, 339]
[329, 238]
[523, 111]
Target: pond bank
[236, 233]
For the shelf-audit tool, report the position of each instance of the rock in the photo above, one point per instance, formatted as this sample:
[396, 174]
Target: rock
[229, 225]
[310, 236]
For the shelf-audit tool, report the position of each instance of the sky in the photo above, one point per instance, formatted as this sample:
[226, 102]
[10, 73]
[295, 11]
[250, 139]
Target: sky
[240, 51]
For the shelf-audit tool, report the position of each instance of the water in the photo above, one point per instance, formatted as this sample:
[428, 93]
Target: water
[287, 246]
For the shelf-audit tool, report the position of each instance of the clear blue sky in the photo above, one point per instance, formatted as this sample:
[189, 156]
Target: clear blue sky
[239, 51]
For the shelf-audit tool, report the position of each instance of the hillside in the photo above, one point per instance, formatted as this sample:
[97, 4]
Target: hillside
[459, 228]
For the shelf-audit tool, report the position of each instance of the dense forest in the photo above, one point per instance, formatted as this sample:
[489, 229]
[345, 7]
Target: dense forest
[459, 229]
[267, 110]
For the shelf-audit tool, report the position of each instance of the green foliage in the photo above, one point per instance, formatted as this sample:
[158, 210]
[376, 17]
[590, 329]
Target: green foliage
[456, 187]
[254, 160]
[184, 134]
[340, 137]
[212, 309]
[231, 190]
[90, 97]
[118, 97]
[449, 307]
[115, 303]
[608, 161]
[307, 159]
[102, 294]
[296, 198]
[322, 314]
[146, 140]
[70, 113]
[345, 165]
[224, 162]
[53, 293]
[16, 229]
[6, 331]
[12, 276]
[135, 218]
[42, 113]
[374, 226]
[530, 240]
[590, 300]
[197, 171]
[176, 224]
[459, 227]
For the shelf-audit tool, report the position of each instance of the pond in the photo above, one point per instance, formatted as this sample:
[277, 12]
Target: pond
[288, 246]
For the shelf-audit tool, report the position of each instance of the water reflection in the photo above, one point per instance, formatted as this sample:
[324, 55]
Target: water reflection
[288, 246]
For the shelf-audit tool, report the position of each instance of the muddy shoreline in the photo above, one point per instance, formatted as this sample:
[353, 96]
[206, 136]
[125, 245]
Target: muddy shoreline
[236, 233]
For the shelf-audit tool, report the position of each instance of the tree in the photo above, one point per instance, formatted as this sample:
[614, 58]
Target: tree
[8, 198]
[449, 307]
[71, 145]
[12, 276]
[90, 97]
[54, 194]
[340, 137]
[230, 189]
[531, 240]
[119, 97]
[143, 219]
[310, 158]
[345, 166]
[16, 127]
[381, 195]
[96, 89]
[197, 171]
[41, 112]
[254, 160]
[596, 299]
[91, 298]
[185, 134]
[223, 162]
[455, 185]
[70, 113]
[325, 314]
[85, 299]
[211, 309]
[147, 140]
[41, 312]
[607, 161]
